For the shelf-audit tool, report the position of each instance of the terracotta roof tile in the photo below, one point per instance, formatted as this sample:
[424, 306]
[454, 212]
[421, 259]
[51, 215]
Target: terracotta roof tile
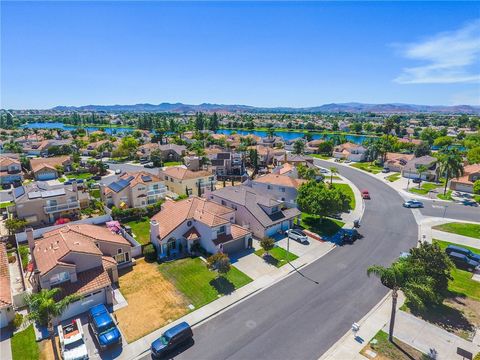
[87, 281]
[5, 292]
[182, 173]
[40, 163]
[282, 180]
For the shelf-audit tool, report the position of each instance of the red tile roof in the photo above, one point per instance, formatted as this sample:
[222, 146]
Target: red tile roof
[5, 292]
[87, 282]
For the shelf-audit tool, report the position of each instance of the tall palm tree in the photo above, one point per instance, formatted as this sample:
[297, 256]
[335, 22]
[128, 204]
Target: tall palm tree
[451, 165]
[421, 169]
[402, 275]
[333, 170]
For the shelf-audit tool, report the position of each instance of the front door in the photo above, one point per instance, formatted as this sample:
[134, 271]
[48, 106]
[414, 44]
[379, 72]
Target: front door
[250, 243]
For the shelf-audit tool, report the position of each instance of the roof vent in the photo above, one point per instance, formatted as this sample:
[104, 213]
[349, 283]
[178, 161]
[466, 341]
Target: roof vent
[76, 243]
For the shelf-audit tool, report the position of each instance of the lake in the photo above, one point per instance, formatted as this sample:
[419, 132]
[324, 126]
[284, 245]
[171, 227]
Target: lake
[62, 126]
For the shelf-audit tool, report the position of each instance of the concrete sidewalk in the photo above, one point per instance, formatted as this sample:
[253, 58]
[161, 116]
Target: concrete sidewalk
[5, 346]
[427, 233]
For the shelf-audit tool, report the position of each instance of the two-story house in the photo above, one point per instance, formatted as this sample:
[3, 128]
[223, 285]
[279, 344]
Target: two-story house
[80, 259]
[350, 151]
[183, 225]
[396, 161]
[41, 204]
[47, 168]
[10, 170]
[282, 187]
[410, 170]
[255, 210]
[133, 190]
[185, 182]
[471, 173]
[228, 165]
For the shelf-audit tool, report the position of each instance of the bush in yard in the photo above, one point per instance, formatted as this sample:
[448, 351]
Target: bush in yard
[17, 321]
[219, 262]
[267, 244]
[12, 259]
[24, 251]
[150, 252]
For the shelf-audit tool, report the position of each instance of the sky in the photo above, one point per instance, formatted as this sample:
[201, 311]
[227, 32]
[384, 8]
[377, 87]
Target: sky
[252, 53]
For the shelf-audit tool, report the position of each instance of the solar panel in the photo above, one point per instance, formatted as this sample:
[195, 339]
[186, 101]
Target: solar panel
[146, 178]
[130, 178]
[115, 187]
[19, 191]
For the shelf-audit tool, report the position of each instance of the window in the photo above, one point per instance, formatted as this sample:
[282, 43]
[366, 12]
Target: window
[221, 230]
[283, 189]
[269, 187]
[119, 251]
[274, 209]
[59, 278]
[224, 203]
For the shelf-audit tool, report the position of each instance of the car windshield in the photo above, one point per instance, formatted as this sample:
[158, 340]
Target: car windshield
[74, 345]
[106, 327]
[164, 340]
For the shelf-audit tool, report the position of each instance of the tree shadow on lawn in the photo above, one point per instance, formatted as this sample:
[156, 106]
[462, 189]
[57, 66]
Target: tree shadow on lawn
[322, 226]
[269, 259]
[222, 285]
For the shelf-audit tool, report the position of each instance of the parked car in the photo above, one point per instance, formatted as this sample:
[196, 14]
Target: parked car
[171, 339]
[385, 170]
[118, 172]
[324, 171]
[463, 251]
[413, 204]
[350, 236]
[365, 194]
[463, 261]
[72, 341]
[95, 177]
[417, 180]
[149, 165]
[103, 327]
[297, 235]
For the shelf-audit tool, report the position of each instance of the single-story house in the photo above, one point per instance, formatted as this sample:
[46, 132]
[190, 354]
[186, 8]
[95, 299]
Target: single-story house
[471, 173]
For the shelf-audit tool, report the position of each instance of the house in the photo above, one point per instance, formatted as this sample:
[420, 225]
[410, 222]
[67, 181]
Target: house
[183, 225]
[410, 170]
[96, 146]
[41, 204]
[396, 161]
[271, 141]
[10, 170]
[193, 162]
[7, 312]
[228, 165]
[185, 182]
[312, 146]
[266, 154]
[46, 168]
[293, 159]
[133, 190]
[261, 213]
[80, 259]
[290, 144]
[282, 187]
[36, 148]
[172, 152]
[350, 151]
[471, 173]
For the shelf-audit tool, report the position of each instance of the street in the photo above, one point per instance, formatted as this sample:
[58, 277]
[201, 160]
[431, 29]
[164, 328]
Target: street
[306, 313]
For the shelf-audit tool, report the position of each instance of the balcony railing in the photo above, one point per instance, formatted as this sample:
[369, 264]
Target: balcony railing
[161, 191]
[62, 207]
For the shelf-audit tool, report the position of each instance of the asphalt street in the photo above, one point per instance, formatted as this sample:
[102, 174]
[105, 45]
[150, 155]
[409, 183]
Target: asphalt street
[303, 315]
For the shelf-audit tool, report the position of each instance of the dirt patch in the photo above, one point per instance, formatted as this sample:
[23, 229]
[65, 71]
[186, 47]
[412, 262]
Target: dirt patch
[46, 349]
[153, 301]
[385, 350]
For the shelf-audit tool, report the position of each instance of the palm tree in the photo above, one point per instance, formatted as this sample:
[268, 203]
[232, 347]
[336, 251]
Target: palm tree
[402, 275]
[333, 170]
[44, 307]
[451, 165]
[421, 169]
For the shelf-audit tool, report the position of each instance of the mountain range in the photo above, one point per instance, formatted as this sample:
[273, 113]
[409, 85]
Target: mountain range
[352, 107]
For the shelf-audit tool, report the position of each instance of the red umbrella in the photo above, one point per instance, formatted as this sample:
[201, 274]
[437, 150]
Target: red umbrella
[62, 221]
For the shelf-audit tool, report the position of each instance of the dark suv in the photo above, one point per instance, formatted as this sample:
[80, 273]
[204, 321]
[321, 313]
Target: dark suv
[463, 261]
[461, 250]
[171, 339]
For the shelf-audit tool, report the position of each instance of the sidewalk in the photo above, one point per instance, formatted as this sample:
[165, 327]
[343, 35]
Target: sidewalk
[426, 233]
[5, 347]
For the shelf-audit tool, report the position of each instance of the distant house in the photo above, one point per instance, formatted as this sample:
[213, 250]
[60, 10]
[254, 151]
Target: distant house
[282, 187]
[396, 161]
[172, 152]
[293, 159]
[471, 173]
[46, 168]
[228, 165]
[259, 212]
[134, 190]
[290, 144]
[410, 170]
[36, 148]
[79, 259]
[312, 146]
[271, 141]
[7, 312]
[185, 182]
[267, 154]
[10, 170]
[350, 151]
[182, 226]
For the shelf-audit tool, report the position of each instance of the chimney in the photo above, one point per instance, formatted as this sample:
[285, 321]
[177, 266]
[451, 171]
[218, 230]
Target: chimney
[30, 239]
[154, 231]
[75, 187]
[285, 157]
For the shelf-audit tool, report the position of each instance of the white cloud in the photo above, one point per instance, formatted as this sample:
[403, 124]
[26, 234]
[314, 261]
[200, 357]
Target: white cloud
[448, 58]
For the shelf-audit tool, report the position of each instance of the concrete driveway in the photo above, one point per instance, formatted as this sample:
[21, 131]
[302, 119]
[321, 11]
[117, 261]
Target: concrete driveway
[250, 264]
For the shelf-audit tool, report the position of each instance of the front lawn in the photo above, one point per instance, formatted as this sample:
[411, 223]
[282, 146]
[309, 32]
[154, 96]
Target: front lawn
[152, 299]
[322, 227]
[24, 345]
[277, 256]
[393, 177]
[81, 176]
[425, 188]
[387, 350]
[141, 229]
[95, 193]
[464, 229]
[320, 156]
[172, 163]
[369, 167]
[447, 196]
[347, 190]
[199, 284]
[6, 204]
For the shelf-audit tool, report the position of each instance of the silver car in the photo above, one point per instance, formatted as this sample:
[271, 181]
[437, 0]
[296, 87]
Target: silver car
[413, 204]
[297, 235]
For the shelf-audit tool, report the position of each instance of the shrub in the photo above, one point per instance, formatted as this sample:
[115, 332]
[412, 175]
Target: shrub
[17, 321]
[267, 244]
[126, 215]
[150, 252]
[12, 259]
[24, 251]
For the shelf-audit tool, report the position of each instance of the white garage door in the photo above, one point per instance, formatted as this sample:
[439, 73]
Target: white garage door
[84, 304]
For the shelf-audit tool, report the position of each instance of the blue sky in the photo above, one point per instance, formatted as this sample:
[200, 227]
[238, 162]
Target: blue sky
[262, 54]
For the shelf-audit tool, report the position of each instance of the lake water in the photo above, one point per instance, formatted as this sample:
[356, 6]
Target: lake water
[357, 139]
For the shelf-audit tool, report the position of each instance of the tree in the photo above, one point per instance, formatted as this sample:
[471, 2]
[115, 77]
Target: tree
[156, 157]
[443, 141]
[317, 199]
[267, 244]
[333, 170]
[199, 121]
[325, 147]
[270, 132]
[422, 149]
[401, 276]
[213, 123]
[429, 135]
[253, 160]
[15, 225]
[476, 187]
[473, 155]
[219, 262]
[307, 173]
[298, 147]
[421, 169]
[451, 165]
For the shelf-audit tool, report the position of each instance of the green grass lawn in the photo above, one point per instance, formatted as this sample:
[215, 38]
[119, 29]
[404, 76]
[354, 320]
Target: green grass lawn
[278, 256]
[393, 177]
[5, 204]
[326, 227]
[95, 193]
[81, 176]
[320, 156]
[199, 284]
[347, 190]
[24, 346]
[388, 350]
[141, 229]
[447, 196]
[462, 282]
[424, 188]
[471, 230]
[369, 167]
[476, 198]
[172, 163]
[62, 179]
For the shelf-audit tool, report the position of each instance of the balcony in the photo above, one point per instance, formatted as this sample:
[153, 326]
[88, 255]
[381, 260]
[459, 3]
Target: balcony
[157, 192]
[62, 207]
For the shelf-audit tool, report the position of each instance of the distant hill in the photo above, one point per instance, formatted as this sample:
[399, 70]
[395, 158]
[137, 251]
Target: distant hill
[326, 108]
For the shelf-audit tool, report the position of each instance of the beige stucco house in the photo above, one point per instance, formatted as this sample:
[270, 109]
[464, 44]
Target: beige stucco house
[186, 182]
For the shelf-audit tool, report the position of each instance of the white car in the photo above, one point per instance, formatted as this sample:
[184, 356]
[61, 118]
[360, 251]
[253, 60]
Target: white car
[297, 235]
[413, 204]
[72, 341]
[118, 172]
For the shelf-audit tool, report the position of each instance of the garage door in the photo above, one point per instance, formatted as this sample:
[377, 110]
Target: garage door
[46, 176]
[4, 317]
[234, 246]
[273, 230]
[84, 304]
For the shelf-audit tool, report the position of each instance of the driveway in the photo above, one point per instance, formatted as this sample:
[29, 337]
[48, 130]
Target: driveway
[251, 265]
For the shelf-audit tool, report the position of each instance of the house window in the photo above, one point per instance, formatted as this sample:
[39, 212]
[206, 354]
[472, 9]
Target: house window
[221, 230]
[269, 187]
[274, 209]
[171, 245]
[224, 203]
[59, 278]
[119, 251]
[283, 189]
